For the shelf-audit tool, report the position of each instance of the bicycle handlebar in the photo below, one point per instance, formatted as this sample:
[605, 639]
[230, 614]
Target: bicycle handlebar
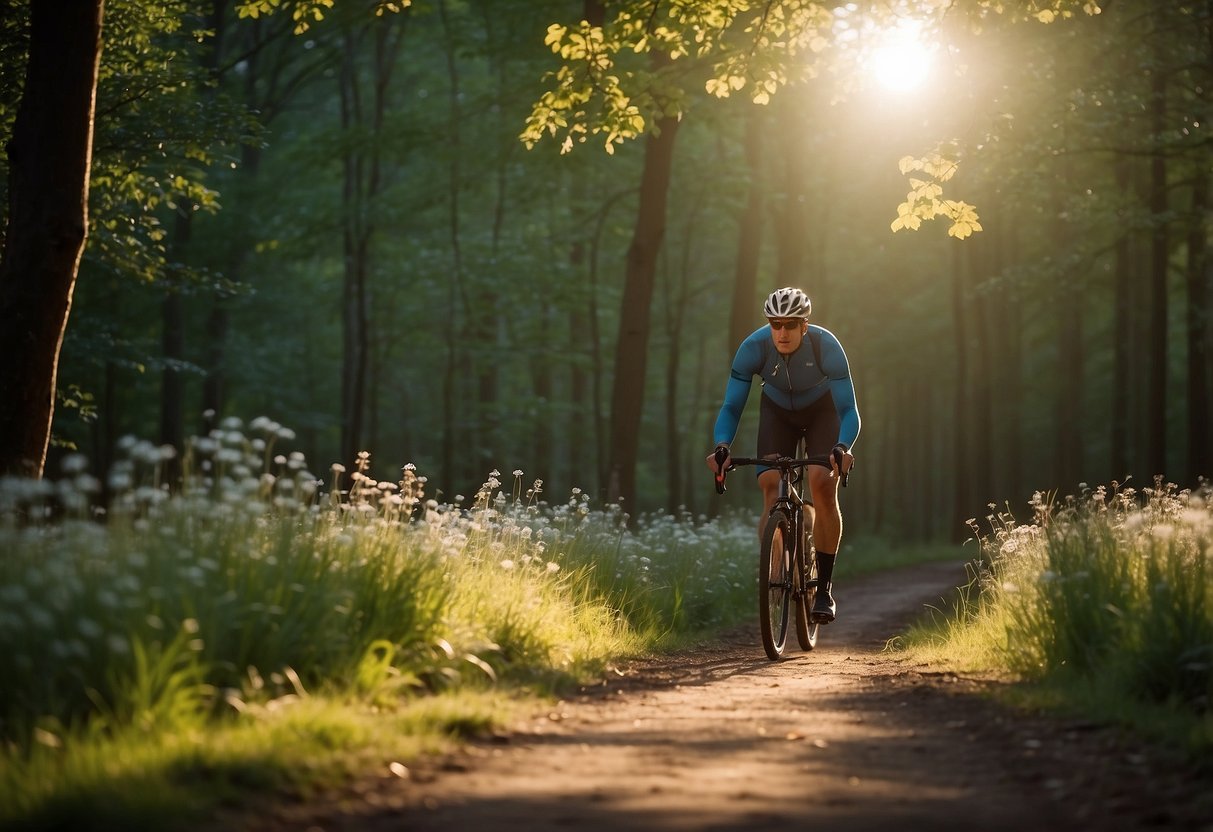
[783, 463]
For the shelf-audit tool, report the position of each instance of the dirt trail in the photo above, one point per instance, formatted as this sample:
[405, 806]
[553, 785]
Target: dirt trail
[847, 737]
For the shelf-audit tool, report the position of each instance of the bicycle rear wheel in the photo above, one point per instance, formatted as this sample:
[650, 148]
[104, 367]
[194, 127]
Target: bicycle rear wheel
[806, 630]
[775, 583]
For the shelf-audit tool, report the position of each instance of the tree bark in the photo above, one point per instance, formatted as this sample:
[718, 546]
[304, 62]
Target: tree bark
[1200, 444]
[361, 184]
[1156, 439]
[50, 155]
[962, 498]
[1122, 360]
[631, 350]
[172, 344]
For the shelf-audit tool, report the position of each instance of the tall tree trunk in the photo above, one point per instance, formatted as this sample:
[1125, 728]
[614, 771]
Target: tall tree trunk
[50, 154]
[962, 506]
[1122, 339]
[1069, 392]
[678, 293]
[1070, 387]
[1200, 443]
[601, 457]
[578, 380]
[487, 320]
[172, 340]
[450, 421]
[541, 379]
[354, 251]
[632, 348]
[749, 238]
[361, 184]
[1156, 440]
[1007, 336]
[982, 264]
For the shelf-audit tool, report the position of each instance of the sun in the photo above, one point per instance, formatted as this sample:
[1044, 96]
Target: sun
[900, 62]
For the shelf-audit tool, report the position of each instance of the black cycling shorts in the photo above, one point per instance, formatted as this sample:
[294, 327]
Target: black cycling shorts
[780, 430]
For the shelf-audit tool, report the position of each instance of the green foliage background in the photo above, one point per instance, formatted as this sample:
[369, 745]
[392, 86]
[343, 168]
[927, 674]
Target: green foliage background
[492, 261]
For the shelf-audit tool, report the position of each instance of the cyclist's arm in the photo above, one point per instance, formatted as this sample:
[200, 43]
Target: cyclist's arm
[843, 392]
[735, 395]
[834, 364]
[746, 363]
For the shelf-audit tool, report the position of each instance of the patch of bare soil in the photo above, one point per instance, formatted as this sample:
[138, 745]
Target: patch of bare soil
[846, 737]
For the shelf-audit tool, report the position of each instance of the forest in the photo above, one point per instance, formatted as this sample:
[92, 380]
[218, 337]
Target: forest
[528, 235]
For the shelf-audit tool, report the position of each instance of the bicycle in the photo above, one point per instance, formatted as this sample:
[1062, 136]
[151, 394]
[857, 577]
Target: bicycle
[787, 568]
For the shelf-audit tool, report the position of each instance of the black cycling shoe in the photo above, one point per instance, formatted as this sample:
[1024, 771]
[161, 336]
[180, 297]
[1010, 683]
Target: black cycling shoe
[824, 610]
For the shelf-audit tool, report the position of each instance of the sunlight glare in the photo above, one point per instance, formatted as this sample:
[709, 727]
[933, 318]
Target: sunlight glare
[901, 62]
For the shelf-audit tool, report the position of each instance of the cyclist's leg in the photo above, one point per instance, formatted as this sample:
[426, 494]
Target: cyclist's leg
[827, 522]
[821, 432]
[768, 481]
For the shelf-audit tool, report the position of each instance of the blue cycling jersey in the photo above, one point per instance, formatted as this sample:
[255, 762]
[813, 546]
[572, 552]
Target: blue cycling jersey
[793, 383]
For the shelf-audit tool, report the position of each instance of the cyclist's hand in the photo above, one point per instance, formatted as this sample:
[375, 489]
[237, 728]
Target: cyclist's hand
[841, 462]
[715, 466]
[719, 461]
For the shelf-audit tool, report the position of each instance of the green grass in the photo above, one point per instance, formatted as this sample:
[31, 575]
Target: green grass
[253, 631]
[255, 634]
[165, 780]
[1102, 607]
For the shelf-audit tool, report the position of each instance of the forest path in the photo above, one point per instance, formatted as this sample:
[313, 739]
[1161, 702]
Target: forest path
[847, 737]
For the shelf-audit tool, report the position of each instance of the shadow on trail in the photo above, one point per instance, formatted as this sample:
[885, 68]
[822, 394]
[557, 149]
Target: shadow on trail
[844, 738]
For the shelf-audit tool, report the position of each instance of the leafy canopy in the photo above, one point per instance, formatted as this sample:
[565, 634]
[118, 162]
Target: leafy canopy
[756, 46]
[307, 12]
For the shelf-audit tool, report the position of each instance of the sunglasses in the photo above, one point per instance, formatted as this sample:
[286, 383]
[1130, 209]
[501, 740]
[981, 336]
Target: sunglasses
[789, 325]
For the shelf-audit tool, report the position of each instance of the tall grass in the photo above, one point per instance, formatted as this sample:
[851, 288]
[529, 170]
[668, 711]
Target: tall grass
[256, 587]
[1108, 597]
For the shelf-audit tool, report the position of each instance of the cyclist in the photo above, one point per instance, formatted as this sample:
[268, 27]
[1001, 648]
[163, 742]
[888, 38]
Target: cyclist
[799, 399]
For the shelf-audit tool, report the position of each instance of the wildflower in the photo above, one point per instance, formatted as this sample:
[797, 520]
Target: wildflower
[337, 468]
[507, 564]
[74, 464]
[13, 594]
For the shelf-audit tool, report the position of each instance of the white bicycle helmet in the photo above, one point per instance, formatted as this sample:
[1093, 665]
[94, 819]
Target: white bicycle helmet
[788, 302]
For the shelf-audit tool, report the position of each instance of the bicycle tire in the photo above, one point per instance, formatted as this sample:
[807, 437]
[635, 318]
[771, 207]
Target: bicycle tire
[806, 629]
[775, 584]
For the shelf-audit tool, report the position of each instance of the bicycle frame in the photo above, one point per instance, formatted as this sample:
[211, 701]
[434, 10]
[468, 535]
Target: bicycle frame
[793, 505]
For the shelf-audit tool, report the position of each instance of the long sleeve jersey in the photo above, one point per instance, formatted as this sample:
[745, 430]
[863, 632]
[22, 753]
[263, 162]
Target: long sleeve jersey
[793, 383]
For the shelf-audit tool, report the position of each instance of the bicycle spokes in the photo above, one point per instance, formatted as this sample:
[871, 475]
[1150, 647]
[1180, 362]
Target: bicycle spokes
[775, 584]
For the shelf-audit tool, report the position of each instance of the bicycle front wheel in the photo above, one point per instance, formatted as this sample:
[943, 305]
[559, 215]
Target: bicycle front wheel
[775, 583]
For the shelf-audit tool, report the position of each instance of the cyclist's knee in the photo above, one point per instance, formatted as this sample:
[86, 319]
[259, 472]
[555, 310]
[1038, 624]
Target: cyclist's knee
[824, 491]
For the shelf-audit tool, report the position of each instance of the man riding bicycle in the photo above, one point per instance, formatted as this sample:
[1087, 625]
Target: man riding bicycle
[806, 393]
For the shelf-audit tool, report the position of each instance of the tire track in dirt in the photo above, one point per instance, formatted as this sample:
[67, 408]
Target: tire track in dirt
[846, 737]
